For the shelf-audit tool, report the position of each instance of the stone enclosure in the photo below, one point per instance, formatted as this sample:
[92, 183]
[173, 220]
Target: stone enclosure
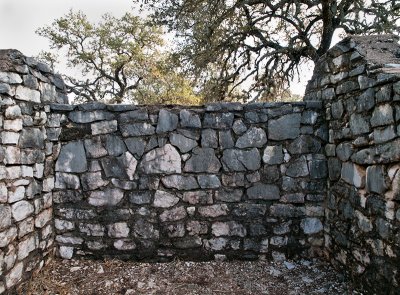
[319, 178]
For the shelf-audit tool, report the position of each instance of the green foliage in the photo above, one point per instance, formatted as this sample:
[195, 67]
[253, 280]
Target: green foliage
[120, 59]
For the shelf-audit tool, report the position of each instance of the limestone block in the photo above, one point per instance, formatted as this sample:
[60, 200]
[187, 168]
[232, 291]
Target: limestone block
[21, 210]
[26, 94]
[162, 160]
[254, 137]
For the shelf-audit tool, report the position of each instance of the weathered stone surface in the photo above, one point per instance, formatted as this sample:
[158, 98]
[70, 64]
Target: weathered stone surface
[254, 137]
[21, 210]
[298, 168]
[209, 138]
[31, 138]
[114, 145]
[263, 192]
[145, 230]
[225, 139]
[208, 181]
[286, 127]
[7, 236]
[286, 210]
[67, 181]
[164, 199]
[15, 275]
[118, 230]
[359, 124]
[384, 135]
[241, 160]
[305, 144]
[180, 182]
[12, 112]
[239, 127]
[174, 214]
[140, 198]
[167, 121]
[136, 145]
[94, 147]
[344, 151]
[297, 198]
[229, 195]
[353, 174]
[10, 78]
[382, 115]
[366, 101]
[189, 119]
[162, 160]
[92, 181]
[311, 225]
[376, 179]
[26, 94]
[218, 120]
[230, 228]
[213, 210]
[203, 160]
[72, 158]
[198, 197]
[104, 127]
[89, 117]
[137, 129]
[318, 168]
[183, 143]
[106, 197]
[134, 116]
[273, 155]
[5, 216]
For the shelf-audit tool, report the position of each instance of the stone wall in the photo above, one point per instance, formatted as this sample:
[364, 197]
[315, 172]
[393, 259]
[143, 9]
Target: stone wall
[26, 167]
[225, 180]
[358, 82]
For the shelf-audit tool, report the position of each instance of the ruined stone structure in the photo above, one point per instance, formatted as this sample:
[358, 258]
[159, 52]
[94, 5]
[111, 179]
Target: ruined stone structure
[275, 180]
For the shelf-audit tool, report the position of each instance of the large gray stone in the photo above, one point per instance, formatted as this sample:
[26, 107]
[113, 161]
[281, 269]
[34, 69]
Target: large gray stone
[92, 180]
[180, 182]
[241, 160]
[26, 94]
[344, 151]
[209, 138]
[21, 210]
[164, 199]
[134, 116]
[88, 117]
[114, 145]
[140, 198]
[72, 158]
[167, 121]
[318, 168]
[183, 143]
[382, 115]
[164, 160]
[311, 226]
[273, 155]
[376, 179]
[137, 129]
[10, 78]
[384, 153]
[208, 181]
[353, 174]
[114, 167]
[94, 147]
[254, 137]
[286, 127]
[298, 168]
[189, 119]
[106, 197]
[67, 181]
[230, 228]
[218, 120]
[385, 134]
[359, 124]
[31, 138]
[198, 197]
[225, 139]
[5, 217]
[304, 144]
[203, 160]
[239, 127]
[104, 127]
[262, 191]
[229, 195]
[136, 145]
[366, 100]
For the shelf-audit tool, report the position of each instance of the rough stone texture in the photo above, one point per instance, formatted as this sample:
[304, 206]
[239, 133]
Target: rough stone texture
[360, 225]
[162, 160]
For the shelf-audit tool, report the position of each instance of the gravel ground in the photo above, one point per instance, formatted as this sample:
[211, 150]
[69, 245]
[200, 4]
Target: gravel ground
[235, 277]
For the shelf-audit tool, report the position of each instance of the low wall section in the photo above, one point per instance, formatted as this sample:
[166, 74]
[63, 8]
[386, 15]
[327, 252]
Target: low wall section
[157, 183]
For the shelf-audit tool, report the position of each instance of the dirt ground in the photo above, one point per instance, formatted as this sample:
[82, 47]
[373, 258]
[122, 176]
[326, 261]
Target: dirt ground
[234, 277]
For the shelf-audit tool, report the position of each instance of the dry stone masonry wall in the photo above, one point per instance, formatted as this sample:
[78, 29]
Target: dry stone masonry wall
[359, 83]
[157, 183]
[273, 180]
[26, 166]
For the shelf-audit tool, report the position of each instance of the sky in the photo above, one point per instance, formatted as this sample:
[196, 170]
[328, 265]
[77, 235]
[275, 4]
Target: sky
[19, 19]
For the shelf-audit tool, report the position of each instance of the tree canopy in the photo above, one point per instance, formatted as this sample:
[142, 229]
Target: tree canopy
[258, 45]
[118, 59]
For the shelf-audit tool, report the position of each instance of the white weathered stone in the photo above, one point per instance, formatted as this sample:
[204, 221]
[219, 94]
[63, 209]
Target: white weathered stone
[27, 171]
[124, 245]
[213, 210]
[21, 210]
[69, 240]
[107, 197]
[12, 155]
[3, 193]
[164, 199]
[10, 78]
[16, 194]
[162, 160]
[9, 137]
[104, 127]
[27, 94]
[7, 236]
[26, 227]
[12, 125]
[311, 226]
[48, 184]
[13, 172]
[63, 225]
[15, 275]
[353, 174]
[5, 216]
[43, 218]
[67, 181]
[130, 164]
[38, 170]
[118, 230]
[13, 112]
[66, 252]
[27, 246]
